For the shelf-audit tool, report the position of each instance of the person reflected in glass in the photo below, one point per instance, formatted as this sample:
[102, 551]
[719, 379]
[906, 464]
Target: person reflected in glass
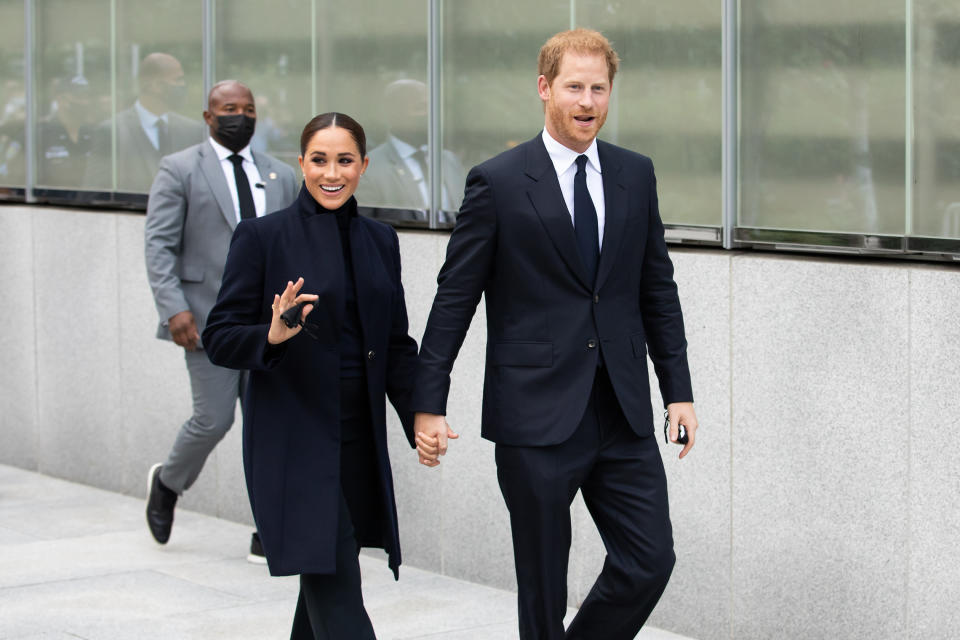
[65, 136]
[12, 126]
[147, 130]
[399, 176]
[314, 430]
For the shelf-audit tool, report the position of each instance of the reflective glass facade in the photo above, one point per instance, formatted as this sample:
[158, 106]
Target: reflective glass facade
[826, 125]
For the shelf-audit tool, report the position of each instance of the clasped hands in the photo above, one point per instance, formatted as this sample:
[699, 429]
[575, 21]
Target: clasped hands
[433, 432]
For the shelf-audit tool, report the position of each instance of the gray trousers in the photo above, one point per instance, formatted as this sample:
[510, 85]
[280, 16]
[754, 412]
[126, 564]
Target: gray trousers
[215, 392]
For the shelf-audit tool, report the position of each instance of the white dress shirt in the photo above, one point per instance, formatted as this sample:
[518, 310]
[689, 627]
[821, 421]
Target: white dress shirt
[148, 122]
[253, 176]
[565, 164]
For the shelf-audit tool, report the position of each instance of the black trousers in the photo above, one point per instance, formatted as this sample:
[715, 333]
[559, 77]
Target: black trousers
[624, 487]
[330, 607]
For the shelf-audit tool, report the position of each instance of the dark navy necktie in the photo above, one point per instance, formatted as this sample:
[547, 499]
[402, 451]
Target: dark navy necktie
[244, 195]
[585, 221]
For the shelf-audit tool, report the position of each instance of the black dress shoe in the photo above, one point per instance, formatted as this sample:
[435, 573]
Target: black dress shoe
[256, 550]
[160, 504]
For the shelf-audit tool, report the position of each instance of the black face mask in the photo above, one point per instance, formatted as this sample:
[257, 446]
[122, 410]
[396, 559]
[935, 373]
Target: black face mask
[234, 131]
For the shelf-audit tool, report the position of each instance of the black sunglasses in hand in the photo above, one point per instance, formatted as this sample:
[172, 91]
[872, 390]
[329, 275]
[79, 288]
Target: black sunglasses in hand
[681, 431]
[293, 317]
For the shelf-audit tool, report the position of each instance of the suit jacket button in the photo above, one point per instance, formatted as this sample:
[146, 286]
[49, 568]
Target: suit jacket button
[371, 354]
[596, 298]
[591, 344]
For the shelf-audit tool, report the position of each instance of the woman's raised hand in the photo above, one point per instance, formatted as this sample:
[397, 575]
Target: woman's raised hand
[279, 331]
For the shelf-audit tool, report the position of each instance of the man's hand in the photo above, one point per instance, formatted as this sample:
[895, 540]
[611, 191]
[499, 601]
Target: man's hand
[682, 413]
[432, 434]
[183, 330]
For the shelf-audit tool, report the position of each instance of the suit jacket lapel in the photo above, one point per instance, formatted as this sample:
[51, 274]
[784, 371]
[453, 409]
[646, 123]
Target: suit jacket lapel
[615, 211]
[213, 172]
[547, 200]
[271, 183]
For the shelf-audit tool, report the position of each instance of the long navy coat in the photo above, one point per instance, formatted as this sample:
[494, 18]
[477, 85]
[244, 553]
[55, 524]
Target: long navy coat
[291, 421]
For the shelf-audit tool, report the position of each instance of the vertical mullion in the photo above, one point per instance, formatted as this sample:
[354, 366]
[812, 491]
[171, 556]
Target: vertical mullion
[208, 47]
[29, 139]
[313, 58]
[730, 120]
[434, 28]
[909, 123]
[114, 186]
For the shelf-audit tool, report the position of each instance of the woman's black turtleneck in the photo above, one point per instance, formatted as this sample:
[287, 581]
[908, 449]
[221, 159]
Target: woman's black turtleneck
[351, 333]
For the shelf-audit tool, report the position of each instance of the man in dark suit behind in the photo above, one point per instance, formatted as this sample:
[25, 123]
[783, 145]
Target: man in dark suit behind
[146, 131]
[562, 235]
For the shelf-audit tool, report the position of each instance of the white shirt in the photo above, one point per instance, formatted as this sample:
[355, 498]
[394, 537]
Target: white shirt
[253, 177]
[565, 164]
[148, 122]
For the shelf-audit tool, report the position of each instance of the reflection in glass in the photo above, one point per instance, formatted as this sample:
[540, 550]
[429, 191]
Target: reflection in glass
[12, 96]
[936, 85]
[159, 99]
[399, 172]
[72, 74]
[822, 115]
[363, 48]
[65, 135]
[667, 97]
[267, 47]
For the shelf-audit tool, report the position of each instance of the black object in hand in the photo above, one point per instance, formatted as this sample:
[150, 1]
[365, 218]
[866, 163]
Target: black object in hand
[681, 431]
[293, 317]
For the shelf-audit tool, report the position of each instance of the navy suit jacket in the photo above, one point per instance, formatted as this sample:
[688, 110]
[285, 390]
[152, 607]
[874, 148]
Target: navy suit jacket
[291, 420]
[514, 243]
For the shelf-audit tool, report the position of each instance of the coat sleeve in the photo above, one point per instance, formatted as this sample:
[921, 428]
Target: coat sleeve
[465, 272]
[660, 307]
[236, 335]
[402, 352]
[163, 239]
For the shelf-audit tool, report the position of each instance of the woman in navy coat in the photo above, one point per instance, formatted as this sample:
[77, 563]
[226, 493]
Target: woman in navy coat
[314, 425]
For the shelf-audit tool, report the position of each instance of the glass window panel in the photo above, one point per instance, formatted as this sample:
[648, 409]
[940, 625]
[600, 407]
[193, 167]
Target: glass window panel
[489, 79]
[822, 116]
[668, 97]
[267, 47]
[12, 100]
[372, 65]
[71, 87]
[936, 85]
[159, 76]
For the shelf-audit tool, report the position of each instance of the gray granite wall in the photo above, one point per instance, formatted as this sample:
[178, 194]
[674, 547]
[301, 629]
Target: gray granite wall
[821, 500]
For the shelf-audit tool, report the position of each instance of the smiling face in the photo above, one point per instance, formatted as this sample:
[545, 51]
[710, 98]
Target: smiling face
[332, 166]
[576, 102]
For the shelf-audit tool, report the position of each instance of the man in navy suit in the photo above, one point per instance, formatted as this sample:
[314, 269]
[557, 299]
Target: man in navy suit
[562, 236]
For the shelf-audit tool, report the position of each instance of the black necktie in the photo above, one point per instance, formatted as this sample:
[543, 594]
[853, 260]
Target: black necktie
[585, 221]
[244, 195]
[163, 137]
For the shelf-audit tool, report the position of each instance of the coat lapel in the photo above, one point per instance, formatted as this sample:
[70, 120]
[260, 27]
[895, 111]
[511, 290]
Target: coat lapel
[547, 200]
[212, 171]
[615, 211]
[271, 182]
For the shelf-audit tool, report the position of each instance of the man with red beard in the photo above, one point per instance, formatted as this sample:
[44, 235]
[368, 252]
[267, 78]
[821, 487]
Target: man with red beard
[563, 238]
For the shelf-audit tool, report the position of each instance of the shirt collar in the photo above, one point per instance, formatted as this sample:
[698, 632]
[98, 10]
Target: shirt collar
[404, 149]
[148, 119]
[563, 157]
[223, 153]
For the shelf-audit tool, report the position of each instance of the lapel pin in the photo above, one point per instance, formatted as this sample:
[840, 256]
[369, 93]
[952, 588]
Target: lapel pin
[273, 175]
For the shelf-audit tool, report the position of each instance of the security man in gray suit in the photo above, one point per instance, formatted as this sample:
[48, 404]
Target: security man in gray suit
[197, 198]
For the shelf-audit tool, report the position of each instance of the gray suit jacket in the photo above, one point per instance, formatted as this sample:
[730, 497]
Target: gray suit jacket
[388, 183]
[190, 220]
[137, 159]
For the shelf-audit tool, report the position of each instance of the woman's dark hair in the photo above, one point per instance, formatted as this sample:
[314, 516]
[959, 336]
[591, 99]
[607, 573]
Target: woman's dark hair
[334, 119]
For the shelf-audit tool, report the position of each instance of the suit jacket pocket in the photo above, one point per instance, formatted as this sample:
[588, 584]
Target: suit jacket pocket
[523, 354]
[639, 342]
[191, 273]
